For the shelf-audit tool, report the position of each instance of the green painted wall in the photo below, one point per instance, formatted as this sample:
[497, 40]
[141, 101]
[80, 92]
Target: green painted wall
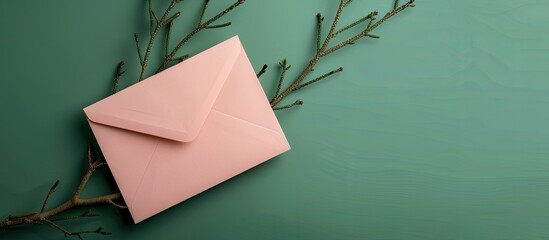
[437, 131]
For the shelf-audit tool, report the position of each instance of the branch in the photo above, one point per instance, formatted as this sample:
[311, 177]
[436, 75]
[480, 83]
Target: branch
[218, 26]
[169, 20]
[296, 103]
[52, 190]
[367, 17]
[86, 214]
[201, 26]
[168, 35]
[367, 30]
[263, 69]
[320, 78]
[136, 39]
[325, 50]
[285, 67]
[74, 202]
[182, 58]
[118, 74]
[331, 35]
[77, 234]
[206, 2]
[319, 20]
[161, 22]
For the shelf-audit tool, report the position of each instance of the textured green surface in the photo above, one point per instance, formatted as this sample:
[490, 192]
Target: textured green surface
[437, 131]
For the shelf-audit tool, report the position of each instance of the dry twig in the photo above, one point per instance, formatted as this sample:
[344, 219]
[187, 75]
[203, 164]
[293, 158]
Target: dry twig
[323, 48]
[46, 216]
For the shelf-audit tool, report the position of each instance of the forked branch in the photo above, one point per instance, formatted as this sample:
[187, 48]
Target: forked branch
[76, 201]
[324, 48]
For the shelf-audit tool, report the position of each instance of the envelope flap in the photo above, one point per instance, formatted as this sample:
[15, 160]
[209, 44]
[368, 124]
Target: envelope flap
[174, 103]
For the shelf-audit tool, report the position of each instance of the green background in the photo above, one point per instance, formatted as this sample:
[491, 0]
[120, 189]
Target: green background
[439, 130]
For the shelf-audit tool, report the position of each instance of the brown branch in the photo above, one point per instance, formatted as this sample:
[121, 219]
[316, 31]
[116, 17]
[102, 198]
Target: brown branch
[154, 32]
[319, 20]
[86, 214]
[296, 103]
[325, 50]
[118, 74]
[168, 35]
[52, 190]
[340, 69]
[74, 202]
[284, 67]
[263, 69]
[204, 7]
[67, 233]
[367, 30]
[201, 26]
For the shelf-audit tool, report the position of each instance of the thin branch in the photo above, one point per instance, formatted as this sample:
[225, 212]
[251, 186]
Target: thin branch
[136, 39]
[218, 25]
[199, 28]
[67, 233]
[182, 58]
[86, 214]
[55, 225]
[170, 20]
[11, 217]
[118, 74]
[112, 203]
[347, 3]
[320, 78]
[152, 38]
[90, 155]
[168, 36]
[342, 4]
[92, 166]
[74, 202]
[367, 17]
[319, 20]
[285, 67]
[206, 2]
[152, 15]
[155, 17]
[296, 103]
[52, 190]
[263, 69]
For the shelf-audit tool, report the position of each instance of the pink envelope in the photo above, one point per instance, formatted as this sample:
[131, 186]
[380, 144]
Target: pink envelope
[186, 129]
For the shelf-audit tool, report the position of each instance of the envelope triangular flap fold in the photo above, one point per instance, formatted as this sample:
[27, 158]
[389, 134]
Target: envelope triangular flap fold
[172, 104]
